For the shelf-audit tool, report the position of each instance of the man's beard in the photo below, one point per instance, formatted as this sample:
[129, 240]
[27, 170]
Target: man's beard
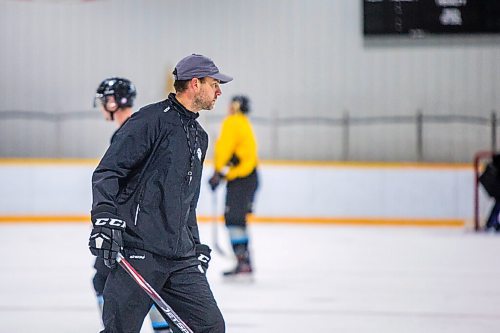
[203, 104]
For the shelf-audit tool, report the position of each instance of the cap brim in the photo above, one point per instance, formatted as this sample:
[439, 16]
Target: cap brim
[222, 78]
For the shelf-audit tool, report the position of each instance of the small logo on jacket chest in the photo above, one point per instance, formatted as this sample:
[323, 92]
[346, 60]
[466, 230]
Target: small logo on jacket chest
[198, 152]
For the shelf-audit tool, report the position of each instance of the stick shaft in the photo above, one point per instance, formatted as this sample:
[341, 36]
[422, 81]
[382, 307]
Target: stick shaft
[215, 225]
[153, 294]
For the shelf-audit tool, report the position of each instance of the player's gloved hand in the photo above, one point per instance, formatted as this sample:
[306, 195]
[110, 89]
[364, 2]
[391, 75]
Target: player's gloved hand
[215, 180]
[203, 255]
[106, 237]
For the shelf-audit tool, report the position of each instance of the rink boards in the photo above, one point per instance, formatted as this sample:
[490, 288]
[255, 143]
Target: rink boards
[40, 190]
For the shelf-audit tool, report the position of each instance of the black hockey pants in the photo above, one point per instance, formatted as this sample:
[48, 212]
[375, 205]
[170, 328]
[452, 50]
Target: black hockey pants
[240, 195]
[179, 282]
[100, 275]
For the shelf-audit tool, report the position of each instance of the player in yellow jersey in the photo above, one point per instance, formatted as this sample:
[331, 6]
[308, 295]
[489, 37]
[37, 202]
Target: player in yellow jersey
[236, 161]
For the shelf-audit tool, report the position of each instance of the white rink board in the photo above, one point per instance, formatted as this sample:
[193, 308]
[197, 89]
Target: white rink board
[308, 279]
[286, 191]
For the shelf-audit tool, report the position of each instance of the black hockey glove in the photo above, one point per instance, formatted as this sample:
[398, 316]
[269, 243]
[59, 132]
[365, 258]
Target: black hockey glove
[215, 180]
[106, 237]
[203, 255]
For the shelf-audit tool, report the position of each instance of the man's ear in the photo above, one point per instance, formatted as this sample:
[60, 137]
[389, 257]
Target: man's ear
[195, 83]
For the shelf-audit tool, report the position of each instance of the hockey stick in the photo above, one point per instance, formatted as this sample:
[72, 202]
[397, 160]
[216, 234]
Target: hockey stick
[153, 294]
[215, 226]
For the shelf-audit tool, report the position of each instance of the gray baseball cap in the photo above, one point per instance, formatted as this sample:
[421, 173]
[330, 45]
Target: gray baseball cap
[196, 65]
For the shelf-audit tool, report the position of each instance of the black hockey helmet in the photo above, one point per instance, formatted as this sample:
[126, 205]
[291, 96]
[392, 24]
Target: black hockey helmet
[244, 102]
[121, 89]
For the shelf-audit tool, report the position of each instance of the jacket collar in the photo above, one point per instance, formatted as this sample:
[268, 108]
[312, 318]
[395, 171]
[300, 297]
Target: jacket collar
[181, 109]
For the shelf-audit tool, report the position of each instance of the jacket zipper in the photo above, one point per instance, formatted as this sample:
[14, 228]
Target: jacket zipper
[137, 210]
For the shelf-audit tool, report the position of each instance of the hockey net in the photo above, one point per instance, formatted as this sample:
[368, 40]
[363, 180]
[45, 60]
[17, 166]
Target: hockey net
[482, 201]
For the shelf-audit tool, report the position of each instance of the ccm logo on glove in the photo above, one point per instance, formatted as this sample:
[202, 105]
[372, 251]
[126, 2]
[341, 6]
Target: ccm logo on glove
[111, 222]
[203, 254]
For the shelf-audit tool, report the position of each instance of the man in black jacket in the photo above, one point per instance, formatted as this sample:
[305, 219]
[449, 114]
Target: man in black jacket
[145, 191]
[115, 98]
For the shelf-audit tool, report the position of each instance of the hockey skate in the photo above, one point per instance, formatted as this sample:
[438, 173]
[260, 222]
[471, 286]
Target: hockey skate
[243, 270]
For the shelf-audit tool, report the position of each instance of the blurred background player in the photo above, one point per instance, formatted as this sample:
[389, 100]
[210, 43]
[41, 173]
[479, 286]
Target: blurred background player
[490, 180]
[115, 99]
[236, 160]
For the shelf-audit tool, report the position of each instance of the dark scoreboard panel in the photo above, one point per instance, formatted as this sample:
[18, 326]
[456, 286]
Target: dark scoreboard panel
[420, 17]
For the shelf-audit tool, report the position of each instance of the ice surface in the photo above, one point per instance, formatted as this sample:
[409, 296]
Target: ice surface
[308, 279]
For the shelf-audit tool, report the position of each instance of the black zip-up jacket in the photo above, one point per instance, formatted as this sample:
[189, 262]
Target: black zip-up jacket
[150, 177]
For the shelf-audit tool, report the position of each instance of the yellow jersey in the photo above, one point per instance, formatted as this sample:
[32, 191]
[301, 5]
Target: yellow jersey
[236, 139]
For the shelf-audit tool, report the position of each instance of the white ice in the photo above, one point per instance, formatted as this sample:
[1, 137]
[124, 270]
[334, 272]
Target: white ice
[308, 279]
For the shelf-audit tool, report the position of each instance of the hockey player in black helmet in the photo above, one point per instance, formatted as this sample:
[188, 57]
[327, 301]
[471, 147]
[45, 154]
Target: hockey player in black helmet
[115, 98]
